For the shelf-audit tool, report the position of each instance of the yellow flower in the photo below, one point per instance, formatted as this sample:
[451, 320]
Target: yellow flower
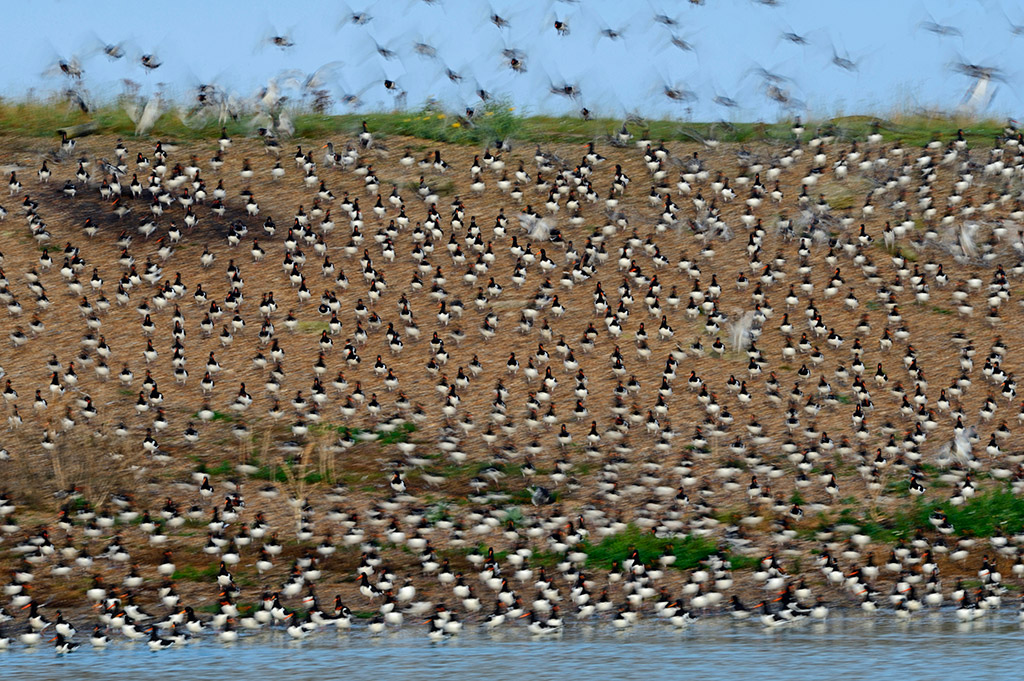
[489, 113]
[511, 108]
[441, 116]
[456, 125]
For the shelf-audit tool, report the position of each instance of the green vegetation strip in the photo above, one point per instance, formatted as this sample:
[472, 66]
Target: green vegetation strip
[495, 121]
[689, 552]
[987, 514]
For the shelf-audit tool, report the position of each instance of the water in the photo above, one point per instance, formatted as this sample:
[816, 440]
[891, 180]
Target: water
[847, 646]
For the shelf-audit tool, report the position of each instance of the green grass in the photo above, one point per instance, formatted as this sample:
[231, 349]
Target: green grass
[438, 512]
[988, 513]
[899, 488]
[399, 434]
[190, 573]
[496, 121]
[689, 552]
[514, 514]
[40, 118]
[269, 473]
[545, 559]
[744, 562]
[221, 469]
[914, 129]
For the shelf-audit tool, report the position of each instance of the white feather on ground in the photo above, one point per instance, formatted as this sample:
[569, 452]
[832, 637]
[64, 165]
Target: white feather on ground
[538, 229]
[959, 448]
[960, 242]
[966, 238]
[740, 331]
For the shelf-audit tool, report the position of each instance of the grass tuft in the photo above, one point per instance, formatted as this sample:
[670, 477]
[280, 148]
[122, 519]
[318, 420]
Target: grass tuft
[985, 515]
[739, 562]
[191, 573]
[221, 469]
[399, 434]
[689, 552]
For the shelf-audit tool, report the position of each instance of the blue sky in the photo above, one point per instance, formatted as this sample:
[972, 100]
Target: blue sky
[900, 64]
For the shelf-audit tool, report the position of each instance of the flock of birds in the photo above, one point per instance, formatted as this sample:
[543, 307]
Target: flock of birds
[531, 351]
[518, 55]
